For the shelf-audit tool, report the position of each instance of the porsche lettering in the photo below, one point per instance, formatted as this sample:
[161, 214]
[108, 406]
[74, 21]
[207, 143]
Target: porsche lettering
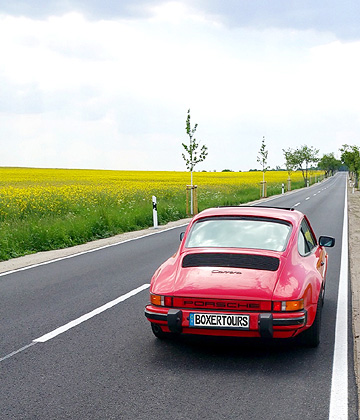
[220, 305]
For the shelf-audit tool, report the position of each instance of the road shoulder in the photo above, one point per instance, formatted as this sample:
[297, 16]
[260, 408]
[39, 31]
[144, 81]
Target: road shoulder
[354, 263]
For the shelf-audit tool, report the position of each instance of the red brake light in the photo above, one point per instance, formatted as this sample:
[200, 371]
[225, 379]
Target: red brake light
[168, 301]
[277, 306]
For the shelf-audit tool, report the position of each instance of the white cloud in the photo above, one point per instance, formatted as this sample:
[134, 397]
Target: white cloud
[114, 93]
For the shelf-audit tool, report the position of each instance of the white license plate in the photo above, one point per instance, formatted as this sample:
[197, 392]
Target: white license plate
[237, 322]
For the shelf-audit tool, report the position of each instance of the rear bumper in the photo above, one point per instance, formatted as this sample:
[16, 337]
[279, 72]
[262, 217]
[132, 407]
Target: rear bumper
[265, 325]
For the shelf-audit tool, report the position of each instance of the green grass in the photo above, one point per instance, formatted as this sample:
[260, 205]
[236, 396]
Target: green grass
[33, 232]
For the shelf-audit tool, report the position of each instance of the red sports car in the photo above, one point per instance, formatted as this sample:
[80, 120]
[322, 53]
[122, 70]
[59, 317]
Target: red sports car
[243, 272]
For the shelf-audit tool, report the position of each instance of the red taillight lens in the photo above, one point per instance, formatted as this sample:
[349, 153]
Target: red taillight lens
[288, 305]
[277, 306]
[168, 301]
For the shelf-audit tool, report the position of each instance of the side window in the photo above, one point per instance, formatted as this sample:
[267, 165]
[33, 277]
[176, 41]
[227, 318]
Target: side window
[306, 240]
[301, 244]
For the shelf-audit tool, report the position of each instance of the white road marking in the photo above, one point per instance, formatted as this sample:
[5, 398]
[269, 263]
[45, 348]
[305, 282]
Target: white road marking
[89, 315]
[307, 198]
[339, 382]
[75, 322]
[297, 204]
[87, 252]
[16, 351]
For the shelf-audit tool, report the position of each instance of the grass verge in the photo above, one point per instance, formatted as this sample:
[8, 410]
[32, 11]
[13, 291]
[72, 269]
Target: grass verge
[74, 225]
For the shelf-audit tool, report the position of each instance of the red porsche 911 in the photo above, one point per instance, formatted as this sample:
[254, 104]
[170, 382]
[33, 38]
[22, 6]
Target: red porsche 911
[243, 272]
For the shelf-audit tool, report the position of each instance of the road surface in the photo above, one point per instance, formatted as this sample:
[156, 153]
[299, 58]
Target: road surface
[75, 343]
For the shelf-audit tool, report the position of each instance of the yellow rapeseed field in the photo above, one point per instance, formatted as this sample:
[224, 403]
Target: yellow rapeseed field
[42, 209]
[26, 191]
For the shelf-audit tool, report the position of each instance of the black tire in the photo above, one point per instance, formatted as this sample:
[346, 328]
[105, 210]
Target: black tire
[322, 294]
[311, 337]
[158, 332]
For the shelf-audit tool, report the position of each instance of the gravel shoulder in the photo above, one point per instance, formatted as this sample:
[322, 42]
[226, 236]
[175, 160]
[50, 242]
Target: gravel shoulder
[354, 264]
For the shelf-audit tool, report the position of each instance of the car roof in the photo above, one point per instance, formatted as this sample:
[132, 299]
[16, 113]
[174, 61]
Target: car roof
[289, 215]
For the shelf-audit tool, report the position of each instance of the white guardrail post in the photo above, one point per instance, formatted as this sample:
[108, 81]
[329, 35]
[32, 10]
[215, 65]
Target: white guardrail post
[155, 215]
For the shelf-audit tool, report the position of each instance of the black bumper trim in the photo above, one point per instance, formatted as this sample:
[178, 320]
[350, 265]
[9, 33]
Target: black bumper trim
[173, 319]
[155, 316]
[290, 321]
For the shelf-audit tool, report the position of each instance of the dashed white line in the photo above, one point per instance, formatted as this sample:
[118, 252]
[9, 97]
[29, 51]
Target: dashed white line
[89, 315]
[307, 198]
[297, 204]
[16, 351]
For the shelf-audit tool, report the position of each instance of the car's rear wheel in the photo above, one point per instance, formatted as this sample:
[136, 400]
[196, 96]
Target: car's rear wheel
[311, 337]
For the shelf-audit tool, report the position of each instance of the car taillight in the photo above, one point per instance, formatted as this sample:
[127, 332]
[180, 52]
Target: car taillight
[168, 301]
[288, 305]
[159, 300]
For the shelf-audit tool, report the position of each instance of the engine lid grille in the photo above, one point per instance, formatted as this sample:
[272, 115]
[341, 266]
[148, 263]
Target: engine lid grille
[217, 259]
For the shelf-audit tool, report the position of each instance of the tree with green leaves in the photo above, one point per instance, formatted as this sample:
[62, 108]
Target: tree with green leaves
[262, 159]
[290, 163]
[350, 156]
[192, 156]
[329, 164]
[302, 159]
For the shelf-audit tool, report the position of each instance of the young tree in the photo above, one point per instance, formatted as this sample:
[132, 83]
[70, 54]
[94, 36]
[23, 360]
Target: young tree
[192, 156]
[262, 159]
[290, 163]
[350, 156]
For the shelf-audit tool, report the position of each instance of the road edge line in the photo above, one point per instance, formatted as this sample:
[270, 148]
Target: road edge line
[339, 382]
[77, 254]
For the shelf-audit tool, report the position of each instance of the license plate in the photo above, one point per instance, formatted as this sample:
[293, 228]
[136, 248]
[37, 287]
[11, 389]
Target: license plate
[229, 321]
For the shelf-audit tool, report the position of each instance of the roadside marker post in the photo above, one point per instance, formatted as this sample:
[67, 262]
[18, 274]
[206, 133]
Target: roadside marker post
[155, 215]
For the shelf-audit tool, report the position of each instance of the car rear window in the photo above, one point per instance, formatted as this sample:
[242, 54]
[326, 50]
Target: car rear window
[239, 232]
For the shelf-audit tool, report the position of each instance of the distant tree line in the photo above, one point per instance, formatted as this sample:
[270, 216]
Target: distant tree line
[304, 158]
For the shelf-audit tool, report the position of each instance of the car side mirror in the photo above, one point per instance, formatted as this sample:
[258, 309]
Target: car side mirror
[327, 241]
[182, 234]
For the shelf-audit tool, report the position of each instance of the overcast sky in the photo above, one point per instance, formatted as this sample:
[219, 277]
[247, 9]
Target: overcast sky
[107, 84]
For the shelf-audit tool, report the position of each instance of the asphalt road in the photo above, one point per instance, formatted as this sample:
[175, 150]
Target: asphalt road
[111, 366]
